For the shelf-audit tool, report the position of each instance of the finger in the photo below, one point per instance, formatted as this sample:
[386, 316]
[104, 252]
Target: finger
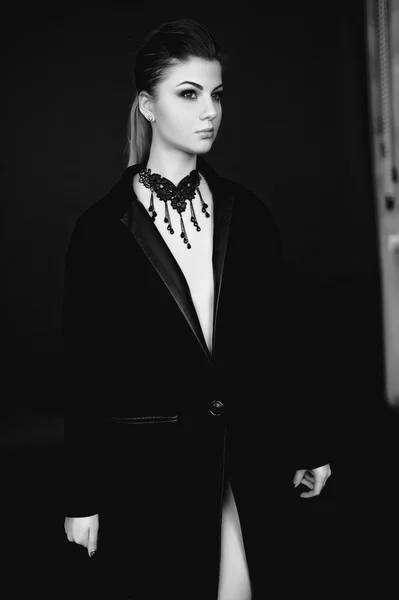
[309, 484]
[92, 540]
[318, 486]
[298, 476]
[307, 494]
[316, 490]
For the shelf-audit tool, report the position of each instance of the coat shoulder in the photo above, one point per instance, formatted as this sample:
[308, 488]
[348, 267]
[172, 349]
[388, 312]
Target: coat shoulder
[241, 192]
[91, 221]
[252, 204]
[88, 234]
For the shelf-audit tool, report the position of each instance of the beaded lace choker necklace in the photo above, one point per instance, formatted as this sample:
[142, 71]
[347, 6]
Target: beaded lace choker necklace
[178, 196]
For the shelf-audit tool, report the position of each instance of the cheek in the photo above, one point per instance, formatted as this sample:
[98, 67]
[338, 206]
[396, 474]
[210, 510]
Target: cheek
[178, 120]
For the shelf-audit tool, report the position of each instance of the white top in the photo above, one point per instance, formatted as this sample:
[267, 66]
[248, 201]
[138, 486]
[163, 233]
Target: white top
[196, 262]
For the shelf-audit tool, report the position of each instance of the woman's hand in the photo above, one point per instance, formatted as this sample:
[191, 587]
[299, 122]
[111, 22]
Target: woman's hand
[82, 530]
[315, 479]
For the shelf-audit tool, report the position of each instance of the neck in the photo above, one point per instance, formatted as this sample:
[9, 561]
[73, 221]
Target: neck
[174, 165]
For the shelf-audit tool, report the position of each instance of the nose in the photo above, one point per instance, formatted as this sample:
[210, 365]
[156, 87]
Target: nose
[210, 112]
[208, 119]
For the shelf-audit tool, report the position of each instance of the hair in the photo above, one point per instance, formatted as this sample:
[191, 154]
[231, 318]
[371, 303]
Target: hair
[181, 40]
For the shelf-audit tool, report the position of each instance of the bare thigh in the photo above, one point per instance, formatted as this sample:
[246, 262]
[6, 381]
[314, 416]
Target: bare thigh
[234, 582]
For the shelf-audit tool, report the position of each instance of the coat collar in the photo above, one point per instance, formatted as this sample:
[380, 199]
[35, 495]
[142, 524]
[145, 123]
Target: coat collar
[123, 203]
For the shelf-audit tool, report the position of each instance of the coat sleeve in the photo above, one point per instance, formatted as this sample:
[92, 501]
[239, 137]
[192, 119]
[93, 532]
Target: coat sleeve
[84, 281]
[305, 394]
[305, 401]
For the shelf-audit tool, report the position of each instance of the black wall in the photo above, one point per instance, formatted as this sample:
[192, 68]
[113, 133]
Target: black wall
[295, 130]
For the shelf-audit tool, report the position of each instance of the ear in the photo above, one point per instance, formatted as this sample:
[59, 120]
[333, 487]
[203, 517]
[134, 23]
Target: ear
[145, 102]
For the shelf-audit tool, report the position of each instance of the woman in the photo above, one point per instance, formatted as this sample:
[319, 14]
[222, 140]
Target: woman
[173, 348]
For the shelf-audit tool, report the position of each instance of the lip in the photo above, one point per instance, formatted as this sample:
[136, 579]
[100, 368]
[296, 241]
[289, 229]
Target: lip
[209, 130]
[206, 134]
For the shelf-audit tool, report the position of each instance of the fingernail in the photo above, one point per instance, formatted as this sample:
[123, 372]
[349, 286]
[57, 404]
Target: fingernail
[91, 553]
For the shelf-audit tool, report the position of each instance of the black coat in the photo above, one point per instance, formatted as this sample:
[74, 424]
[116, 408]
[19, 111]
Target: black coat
[154, 423]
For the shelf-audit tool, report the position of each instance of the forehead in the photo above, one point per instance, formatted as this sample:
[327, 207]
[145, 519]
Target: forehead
[204, 72]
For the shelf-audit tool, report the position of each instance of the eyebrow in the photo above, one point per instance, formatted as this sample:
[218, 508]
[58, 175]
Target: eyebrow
[197, 85]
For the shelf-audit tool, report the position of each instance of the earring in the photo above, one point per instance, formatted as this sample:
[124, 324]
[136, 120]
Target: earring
[150, 118]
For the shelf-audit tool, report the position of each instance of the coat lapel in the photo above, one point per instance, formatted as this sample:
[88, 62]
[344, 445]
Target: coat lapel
[138, 221]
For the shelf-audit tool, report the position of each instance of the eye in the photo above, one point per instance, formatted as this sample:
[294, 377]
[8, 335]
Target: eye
[183, 94]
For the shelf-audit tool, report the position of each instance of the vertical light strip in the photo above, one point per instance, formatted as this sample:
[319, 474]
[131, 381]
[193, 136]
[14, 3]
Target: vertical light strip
[383, 59]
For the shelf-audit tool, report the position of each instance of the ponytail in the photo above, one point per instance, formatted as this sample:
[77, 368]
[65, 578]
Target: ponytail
[139, 135]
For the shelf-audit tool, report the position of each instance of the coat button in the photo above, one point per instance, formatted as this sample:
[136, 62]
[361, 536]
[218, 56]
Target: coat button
[216, 408]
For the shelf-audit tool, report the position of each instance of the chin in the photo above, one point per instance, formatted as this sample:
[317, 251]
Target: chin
[203, 151]
[204, 148]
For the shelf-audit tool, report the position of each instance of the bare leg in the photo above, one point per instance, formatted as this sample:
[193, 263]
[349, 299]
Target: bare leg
[234, 582]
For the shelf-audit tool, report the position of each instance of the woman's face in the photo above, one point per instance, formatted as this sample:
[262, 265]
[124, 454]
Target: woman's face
[183, 109]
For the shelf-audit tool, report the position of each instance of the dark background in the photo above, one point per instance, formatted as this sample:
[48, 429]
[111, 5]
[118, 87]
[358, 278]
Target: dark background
[295, 131]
